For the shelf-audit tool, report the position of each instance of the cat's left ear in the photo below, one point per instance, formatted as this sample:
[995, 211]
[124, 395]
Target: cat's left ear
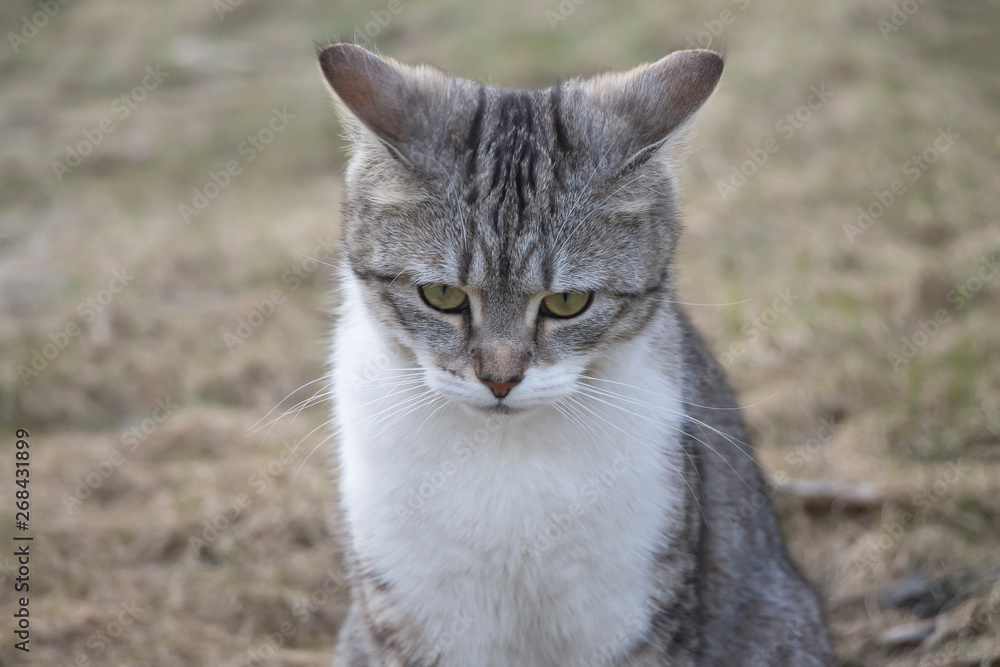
[644, 106]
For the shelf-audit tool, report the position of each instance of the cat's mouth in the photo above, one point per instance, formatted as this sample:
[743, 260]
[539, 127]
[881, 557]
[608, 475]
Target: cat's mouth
[502, 407]
[497, 408]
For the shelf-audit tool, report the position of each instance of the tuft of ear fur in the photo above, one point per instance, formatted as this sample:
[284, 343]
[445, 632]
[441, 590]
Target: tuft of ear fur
[650, 103]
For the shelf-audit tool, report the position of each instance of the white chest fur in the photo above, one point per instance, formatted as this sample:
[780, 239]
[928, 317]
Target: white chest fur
[524, 542]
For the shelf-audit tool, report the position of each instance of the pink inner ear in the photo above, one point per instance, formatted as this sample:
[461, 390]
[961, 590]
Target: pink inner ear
[687, 80]
[372, 89]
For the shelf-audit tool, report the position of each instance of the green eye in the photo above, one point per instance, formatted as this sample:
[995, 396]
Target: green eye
[565, 304]
[444, 297]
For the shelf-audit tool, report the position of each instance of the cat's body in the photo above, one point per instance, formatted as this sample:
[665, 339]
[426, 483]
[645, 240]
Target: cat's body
[521, 487]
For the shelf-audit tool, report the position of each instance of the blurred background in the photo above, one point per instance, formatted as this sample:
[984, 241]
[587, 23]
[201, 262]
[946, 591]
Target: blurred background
[169, 204]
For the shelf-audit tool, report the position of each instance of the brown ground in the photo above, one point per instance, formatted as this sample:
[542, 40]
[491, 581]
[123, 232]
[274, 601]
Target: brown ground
[904, 453]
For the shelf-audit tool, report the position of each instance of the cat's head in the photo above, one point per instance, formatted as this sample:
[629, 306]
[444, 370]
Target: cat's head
[509, 237]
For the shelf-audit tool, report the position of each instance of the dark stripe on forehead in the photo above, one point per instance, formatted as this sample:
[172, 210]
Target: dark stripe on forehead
[472, 142]
[558, 146]
[514, 154]
[475, 132]
[521, 203]
[465, 263]
[500, 165]
[562, 139]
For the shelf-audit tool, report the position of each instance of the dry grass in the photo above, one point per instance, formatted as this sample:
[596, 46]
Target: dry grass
[827, 403]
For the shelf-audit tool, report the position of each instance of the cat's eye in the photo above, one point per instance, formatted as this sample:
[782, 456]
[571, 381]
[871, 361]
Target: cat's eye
[565, 304]
[445, 298]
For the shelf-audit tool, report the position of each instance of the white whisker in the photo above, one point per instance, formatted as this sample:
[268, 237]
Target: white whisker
[253, 428]
[716, 452]
[688, 303]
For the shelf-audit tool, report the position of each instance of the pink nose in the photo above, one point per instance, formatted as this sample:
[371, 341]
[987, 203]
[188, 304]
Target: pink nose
[500, 389]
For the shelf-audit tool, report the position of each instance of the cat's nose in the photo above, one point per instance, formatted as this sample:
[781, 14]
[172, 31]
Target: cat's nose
[500, 389]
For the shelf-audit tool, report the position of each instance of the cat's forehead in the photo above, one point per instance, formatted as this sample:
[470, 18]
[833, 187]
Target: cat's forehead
[511, 154]
[493, 188]
[511, 161]
[515, 202]
[511, 191]
[518, 185]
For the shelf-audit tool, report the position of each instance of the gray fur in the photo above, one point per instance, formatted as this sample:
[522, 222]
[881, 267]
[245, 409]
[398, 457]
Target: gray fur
[511, 193]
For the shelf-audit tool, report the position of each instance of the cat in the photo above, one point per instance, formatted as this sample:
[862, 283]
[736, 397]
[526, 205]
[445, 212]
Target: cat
[540, 462]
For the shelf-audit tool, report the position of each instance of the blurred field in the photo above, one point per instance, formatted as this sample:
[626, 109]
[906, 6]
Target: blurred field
[875, 395]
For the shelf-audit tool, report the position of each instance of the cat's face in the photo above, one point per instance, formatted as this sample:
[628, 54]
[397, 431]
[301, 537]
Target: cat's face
[510, 238]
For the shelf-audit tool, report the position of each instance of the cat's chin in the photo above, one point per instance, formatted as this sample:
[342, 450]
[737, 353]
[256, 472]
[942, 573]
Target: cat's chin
[505, 409]
[497, 410]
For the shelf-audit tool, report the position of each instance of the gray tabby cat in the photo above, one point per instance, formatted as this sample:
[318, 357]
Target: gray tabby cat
[540, 463]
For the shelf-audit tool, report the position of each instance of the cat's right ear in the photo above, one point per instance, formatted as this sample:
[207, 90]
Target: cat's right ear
[376, 95]
[649, 104]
